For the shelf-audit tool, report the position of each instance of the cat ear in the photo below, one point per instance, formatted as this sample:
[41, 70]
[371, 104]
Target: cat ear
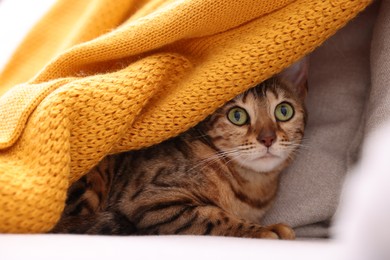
[296, 76]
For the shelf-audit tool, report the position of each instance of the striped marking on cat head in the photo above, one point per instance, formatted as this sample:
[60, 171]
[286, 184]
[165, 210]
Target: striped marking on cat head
[262, 142]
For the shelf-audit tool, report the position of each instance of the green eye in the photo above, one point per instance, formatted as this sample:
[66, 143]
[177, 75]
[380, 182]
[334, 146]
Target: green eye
[238, 116]
[284, 112]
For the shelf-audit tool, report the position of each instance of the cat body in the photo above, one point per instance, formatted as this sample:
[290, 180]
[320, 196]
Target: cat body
[218, 178]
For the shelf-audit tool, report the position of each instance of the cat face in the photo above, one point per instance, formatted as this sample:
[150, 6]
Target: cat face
[261, 128]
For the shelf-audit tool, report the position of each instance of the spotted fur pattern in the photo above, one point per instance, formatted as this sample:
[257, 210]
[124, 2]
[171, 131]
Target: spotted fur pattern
[216, 179]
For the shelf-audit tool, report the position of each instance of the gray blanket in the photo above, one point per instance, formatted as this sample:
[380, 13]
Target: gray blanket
[349, 97]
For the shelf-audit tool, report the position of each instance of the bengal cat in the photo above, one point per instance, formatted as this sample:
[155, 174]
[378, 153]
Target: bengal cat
[218, 178]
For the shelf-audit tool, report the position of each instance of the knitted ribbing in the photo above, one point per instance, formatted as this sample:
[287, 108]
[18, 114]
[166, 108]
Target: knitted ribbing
[123, 75]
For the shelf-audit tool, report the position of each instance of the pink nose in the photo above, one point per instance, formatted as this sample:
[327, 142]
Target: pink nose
[267, 138]
[267, 141]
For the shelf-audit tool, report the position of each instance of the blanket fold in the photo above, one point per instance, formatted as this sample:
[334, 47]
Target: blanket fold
[147, 72]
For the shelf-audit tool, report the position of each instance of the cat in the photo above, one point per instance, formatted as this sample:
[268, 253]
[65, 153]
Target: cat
[218, 178]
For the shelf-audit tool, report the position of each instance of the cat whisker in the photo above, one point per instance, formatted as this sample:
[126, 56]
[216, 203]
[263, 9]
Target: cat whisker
[231, 159]
[217, 156]
[293, 145]
[230, 155]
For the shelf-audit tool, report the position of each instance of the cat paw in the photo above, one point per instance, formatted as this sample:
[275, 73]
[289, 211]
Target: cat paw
[278, 231]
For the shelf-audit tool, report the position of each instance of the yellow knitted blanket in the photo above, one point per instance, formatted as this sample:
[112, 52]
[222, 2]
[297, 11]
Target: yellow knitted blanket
[101, 76]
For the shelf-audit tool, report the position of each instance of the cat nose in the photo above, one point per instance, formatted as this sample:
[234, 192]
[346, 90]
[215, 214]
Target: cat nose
[267, 138]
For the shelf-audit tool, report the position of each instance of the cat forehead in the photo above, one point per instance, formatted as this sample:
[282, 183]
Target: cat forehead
[263, 94]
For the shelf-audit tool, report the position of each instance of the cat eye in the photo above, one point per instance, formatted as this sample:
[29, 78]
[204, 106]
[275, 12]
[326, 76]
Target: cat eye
[238, 116]
[284, 112]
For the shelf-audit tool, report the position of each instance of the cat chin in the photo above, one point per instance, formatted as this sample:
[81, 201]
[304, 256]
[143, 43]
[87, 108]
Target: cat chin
[263, 164]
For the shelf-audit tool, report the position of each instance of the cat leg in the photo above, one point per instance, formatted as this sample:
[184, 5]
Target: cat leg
[214, 221]
[206, 220]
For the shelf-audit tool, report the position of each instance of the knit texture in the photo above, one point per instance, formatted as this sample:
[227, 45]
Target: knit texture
[108, 76]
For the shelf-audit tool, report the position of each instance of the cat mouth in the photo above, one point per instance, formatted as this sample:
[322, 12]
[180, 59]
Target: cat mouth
[268, 155]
